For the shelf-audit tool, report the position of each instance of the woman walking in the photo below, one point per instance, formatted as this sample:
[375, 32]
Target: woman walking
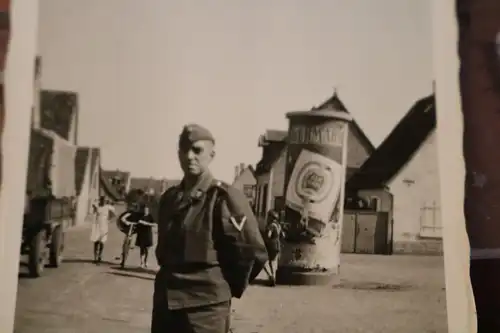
[144, 238]
[273, 236]
[141, 215]
[103, 213]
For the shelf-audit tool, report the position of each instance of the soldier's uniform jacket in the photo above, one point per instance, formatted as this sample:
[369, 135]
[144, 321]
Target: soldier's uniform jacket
[209, 244]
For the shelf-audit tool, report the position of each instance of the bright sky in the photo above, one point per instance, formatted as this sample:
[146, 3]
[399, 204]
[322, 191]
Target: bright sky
[145, 68]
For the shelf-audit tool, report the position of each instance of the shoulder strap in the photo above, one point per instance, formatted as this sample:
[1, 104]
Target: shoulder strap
[215, 194]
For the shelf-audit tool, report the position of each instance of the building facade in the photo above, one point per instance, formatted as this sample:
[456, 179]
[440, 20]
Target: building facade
[401, 178]
[246, 182]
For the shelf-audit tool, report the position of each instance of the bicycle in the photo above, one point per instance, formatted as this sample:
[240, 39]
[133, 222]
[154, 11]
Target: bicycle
[127, 242]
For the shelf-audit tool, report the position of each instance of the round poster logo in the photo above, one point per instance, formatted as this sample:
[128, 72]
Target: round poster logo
[314, 181]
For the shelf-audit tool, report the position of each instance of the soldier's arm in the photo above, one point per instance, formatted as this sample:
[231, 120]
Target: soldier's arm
[163, 205]
[242, 233]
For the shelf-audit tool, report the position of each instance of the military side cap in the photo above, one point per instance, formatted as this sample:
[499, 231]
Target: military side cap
[194, 132]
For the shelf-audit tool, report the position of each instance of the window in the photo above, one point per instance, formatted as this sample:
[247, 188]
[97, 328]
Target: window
[430, 221]
[257, 200]
[248, 190]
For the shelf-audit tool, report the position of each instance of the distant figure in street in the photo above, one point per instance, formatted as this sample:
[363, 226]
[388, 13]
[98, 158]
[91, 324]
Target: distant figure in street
[273, 235]
[209, 245]
[144, 230]
[103, 213]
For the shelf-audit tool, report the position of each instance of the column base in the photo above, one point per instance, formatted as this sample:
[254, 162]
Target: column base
[294, 276]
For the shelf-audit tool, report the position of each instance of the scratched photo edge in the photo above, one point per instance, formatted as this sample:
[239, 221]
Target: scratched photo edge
[458, 292]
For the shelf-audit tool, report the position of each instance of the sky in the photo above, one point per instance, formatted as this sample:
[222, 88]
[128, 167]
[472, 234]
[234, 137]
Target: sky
[143, 69]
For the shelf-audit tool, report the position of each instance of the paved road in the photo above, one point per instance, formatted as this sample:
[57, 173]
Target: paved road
[378, 294]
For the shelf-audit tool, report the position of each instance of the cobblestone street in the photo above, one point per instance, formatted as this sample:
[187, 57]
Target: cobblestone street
[377, 294]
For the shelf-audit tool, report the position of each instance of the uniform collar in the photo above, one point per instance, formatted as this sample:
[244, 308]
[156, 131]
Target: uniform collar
[204, 183]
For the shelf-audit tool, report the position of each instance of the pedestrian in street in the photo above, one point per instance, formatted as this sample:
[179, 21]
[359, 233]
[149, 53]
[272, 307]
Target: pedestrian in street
[273, 235]
[209, 245]
[103, 213]
[144, 230]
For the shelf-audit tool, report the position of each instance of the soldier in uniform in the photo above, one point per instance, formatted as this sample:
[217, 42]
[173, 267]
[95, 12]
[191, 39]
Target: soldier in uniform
[209, 245]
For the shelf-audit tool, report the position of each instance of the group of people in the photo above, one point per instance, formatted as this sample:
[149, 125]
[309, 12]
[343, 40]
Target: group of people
[137, 214]
[210, 246]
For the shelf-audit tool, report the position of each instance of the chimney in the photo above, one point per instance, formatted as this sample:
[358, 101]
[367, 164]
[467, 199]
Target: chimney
[236, 171]
[242, 168]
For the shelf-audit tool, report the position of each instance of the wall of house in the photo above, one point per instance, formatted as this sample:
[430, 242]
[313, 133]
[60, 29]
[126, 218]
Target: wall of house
[383, 197]
[82, 202]
[94, 185]
[278, 179]
[261, 194]
[72, 136]
[245, 178]
[416, 213]
[357, 152]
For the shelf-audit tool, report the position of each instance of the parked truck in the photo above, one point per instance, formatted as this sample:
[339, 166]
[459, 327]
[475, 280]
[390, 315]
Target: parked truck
[49, 201]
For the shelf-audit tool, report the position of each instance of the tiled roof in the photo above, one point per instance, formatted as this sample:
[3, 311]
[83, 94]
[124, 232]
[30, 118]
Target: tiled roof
[275, 135]
[270, 156]
[56, 111]
[109, 189]
[399, 146]
[122, 176]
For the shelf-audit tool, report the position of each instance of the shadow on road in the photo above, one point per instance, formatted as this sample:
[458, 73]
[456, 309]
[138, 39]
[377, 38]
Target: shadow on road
[135, 270]
[85, 261]
[131, 275]
[261, 282]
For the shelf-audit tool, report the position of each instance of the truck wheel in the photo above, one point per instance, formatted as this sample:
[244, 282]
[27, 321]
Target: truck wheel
[37, 254]
[56, 247]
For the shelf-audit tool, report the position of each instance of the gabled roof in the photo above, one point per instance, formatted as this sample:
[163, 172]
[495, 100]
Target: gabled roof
[109, 189]
[56, 111]
[270, 156]
[335, 103]
[250, 168]
[122, 175]
[272, 135]
[399, 146]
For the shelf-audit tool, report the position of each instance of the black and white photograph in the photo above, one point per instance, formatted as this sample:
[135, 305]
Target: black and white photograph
[232, 166]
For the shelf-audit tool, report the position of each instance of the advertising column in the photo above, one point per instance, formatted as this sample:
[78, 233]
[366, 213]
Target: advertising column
[314, 195]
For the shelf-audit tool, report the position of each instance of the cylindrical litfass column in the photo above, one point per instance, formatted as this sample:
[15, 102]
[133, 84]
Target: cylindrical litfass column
[314, 194]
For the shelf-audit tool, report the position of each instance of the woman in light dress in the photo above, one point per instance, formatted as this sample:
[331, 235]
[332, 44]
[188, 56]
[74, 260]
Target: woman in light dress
[103, 212]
